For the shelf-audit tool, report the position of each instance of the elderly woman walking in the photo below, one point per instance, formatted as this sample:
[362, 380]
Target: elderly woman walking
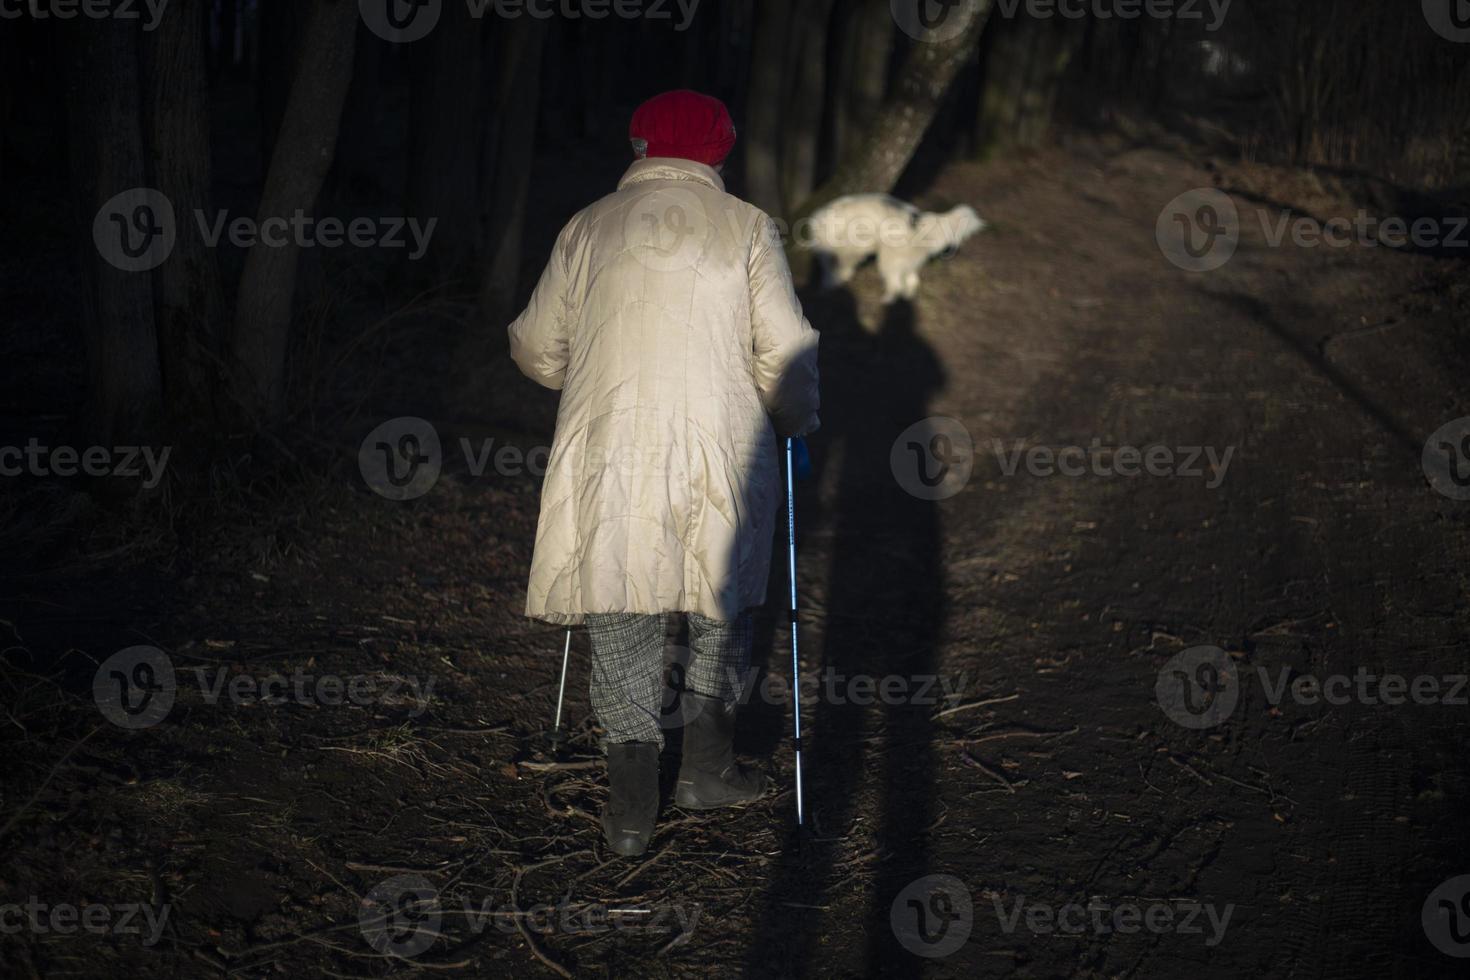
[667, 318]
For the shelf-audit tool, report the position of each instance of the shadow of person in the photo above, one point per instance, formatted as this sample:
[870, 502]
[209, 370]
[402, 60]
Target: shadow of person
[871, 624]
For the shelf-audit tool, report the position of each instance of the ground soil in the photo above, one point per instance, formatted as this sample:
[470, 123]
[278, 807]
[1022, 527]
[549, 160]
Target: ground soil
[1047, 604]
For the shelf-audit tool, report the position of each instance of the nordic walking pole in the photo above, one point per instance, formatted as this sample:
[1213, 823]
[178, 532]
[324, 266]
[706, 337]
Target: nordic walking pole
[795, 661]
[555, 736]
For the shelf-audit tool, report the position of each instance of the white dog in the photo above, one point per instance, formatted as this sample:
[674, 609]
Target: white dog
[851, 229]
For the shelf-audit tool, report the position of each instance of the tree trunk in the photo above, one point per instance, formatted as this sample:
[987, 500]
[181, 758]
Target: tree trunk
[280, 23]
[562, 112]
[445, 135]
[804, 100]
[303, 155]
[605, 48]
[866, 48]
[876, 163]
[1022, 72]
[189, 297]
[481, 370]
[765, 105]
[107, 157]
[732, 56]
[509, 154]
[359, 172]
[222, 58]
[694, 52]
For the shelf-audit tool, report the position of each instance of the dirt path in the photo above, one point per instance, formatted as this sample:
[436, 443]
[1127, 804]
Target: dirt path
[1088, 832]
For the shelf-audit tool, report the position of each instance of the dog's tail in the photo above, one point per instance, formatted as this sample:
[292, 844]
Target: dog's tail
[942, 234]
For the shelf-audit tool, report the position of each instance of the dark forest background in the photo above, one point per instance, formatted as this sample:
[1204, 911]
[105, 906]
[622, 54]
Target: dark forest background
[499, 128]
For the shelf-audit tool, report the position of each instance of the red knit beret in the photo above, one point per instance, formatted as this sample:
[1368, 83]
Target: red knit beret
[685, 124]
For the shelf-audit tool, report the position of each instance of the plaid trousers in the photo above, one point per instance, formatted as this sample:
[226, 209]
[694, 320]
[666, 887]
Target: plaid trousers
[628, 694]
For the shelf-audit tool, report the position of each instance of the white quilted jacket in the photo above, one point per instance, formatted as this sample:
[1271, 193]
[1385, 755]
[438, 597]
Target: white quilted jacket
[667, 317]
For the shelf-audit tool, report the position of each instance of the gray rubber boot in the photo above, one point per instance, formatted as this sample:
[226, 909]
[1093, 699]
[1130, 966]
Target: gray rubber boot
[709, 776]
[632, 799]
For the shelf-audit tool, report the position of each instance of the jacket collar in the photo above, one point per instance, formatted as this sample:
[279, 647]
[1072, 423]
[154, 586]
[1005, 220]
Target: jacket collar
[671, 168]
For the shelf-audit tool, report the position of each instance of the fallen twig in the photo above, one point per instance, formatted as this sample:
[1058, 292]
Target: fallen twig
[521, 926]
[559, 766]
[997, 736]
[976, 704]
[14, 817]
[970, 760]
